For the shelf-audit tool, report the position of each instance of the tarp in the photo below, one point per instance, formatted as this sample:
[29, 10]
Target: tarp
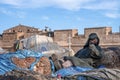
[34, 41]
[79, 73]
[3, 51]
[6, 63]
[71, 71]
[45, 45]
[96, 74]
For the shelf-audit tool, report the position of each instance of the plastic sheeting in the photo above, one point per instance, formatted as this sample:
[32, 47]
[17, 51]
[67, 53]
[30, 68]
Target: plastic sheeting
[96, 74]
[35, 42]
[71, 71]
[6, 63]
[79, 73]
[3, 51]
[45, 45]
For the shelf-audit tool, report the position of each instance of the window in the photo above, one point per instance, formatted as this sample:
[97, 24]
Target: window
[9, 30]
[13, 30]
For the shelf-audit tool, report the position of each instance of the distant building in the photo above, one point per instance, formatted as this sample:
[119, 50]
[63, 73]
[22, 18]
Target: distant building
[68, 38]
[71, 38]
[11, 35]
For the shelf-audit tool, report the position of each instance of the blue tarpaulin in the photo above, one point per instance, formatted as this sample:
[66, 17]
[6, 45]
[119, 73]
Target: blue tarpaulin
[71, 71]
[6, 63]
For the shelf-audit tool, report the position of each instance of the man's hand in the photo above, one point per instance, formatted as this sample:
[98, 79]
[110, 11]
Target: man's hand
[94, 49]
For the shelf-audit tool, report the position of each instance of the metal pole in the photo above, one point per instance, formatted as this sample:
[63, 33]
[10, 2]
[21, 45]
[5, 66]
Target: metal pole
[69, 42]
[119, 31]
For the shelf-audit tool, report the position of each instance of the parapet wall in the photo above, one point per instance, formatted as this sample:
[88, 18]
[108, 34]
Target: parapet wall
[107, 38]
[68, 38]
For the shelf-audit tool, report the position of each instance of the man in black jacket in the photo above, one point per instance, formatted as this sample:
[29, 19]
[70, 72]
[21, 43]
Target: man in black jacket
[91, 50]
[89, 56]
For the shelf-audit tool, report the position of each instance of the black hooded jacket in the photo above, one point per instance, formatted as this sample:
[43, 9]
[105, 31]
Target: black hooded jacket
[87, 52]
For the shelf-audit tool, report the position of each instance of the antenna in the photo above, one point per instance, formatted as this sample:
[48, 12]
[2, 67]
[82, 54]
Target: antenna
[119, 31]
[69, 42]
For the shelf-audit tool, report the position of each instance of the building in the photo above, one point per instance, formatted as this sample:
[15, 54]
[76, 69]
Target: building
[10, 36]
[71, 38]
[68, 38]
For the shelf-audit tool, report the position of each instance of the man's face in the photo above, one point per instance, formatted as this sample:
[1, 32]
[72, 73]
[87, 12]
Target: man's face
[94, 41]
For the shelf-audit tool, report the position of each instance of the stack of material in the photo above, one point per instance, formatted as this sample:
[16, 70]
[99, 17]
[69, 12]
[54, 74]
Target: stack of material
[3, 51]
[43, 66]
[25, 60]
[33, 42]
[96, 74]
[22, 75]
[111, 57]
[45, 45]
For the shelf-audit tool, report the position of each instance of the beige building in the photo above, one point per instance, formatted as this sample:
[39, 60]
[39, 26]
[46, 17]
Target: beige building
[10, 36]
[71, 38]
[68, 38]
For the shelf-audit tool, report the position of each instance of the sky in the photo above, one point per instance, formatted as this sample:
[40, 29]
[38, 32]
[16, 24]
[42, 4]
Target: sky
[60, 14]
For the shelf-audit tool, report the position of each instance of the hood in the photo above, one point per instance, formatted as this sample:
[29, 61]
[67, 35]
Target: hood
[92, 36]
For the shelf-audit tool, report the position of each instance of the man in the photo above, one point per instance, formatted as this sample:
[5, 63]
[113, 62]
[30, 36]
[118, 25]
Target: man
[89, 56]
[91, 51]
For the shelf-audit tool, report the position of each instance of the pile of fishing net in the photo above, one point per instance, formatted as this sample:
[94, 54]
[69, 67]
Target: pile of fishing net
[111, 57]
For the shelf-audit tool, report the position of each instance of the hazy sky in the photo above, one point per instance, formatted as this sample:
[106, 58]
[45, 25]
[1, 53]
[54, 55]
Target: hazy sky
[60, 14]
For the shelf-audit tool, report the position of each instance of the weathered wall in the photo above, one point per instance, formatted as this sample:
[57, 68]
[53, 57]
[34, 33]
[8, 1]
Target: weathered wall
[63, 37]
[16, 33]
[107, 38]
[68, 38]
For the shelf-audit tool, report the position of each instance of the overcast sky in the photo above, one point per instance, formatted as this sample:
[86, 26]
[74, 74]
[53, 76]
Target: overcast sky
[60, 14]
